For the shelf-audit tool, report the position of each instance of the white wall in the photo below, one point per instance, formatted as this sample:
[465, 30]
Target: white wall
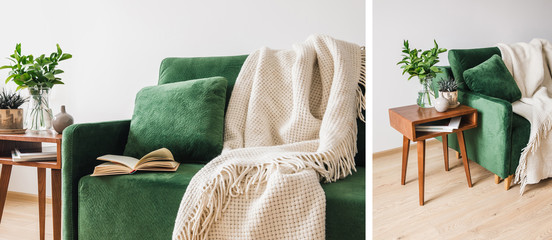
[454, 24]
[117, 45]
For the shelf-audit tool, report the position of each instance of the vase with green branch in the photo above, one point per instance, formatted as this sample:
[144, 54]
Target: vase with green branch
[421, 64]
[38, 75]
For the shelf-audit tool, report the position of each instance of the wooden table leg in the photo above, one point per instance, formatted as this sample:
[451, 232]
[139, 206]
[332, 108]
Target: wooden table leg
[421, 169]
[406, 148]
[4, 182]
[462, 144]
[41, 174]
[445, 151]
[56, 203]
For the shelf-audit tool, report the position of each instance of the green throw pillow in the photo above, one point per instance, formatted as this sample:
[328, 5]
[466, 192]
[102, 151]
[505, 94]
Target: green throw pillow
[185, 117]
[492, 78]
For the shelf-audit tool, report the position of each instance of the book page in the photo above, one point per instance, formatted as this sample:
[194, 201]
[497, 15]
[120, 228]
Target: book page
[110, 168]
[168, 166]
[159, 154]
[130, 162]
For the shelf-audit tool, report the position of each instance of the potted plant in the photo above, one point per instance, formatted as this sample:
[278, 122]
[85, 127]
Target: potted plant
[448, 89]
[39, 75]
[421, 64]
[11, 116]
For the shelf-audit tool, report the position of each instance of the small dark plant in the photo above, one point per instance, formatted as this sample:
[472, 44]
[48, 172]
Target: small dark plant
[420, 63]
[11, 100]
[448, 85]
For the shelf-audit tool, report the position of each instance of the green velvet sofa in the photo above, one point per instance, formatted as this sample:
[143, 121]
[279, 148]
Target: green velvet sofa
[144, 205]
[497, 142]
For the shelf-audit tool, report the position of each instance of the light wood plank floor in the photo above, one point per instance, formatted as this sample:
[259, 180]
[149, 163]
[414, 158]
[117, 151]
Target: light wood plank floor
[452, 210]
[20, 218]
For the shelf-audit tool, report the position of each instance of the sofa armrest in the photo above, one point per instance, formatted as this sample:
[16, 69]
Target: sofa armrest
[81, 145]
[490, 143]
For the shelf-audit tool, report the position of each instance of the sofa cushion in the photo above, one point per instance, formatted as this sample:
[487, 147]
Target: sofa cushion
[345, 207]
[185, 117]
[144, 205]
[138, 206]
[463, 59]
[492, 78]
[183, 69]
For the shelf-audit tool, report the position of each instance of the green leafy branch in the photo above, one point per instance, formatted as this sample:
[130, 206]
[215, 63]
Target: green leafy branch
[420, 63]
[28, 71]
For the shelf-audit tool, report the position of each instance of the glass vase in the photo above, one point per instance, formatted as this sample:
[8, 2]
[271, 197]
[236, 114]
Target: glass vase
[39, 115]
[426, 96]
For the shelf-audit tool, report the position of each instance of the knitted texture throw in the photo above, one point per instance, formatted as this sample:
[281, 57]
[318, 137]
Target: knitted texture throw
[290, 123]
[530, 64]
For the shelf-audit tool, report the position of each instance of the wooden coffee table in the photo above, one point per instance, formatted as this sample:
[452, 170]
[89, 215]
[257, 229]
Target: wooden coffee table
[404, 119]
[32, 142]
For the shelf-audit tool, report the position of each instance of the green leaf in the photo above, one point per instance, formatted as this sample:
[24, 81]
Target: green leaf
[65, 56]
[57, 82]
[9, 78]
[58, 71]
[18, 82]
[49, 76]
[6, 67]
[18, 48]
[59, 52]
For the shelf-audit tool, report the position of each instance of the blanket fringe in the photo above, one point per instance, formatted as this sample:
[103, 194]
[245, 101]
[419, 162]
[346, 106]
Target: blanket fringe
[361, 90]
[532, 147]
[232, 181]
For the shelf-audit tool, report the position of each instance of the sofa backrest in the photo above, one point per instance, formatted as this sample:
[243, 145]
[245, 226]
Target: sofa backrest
[461, 60]
[183, 69]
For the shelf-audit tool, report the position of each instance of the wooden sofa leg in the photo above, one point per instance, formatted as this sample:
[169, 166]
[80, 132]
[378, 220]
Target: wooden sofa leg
[458, 155]
[507, 182]
[497, 179]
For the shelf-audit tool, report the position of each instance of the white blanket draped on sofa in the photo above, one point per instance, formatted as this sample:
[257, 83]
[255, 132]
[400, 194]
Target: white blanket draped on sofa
[291, 121]
[530, 65]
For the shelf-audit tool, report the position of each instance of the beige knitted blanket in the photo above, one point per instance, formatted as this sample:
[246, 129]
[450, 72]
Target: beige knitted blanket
[530, 64]
[291, 122]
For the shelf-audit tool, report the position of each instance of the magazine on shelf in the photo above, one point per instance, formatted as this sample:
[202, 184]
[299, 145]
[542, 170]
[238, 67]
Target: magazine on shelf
[444, 125]
[18, 156]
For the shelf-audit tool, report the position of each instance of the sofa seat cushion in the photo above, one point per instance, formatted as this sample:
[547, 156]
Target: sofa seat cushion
[144, 205]
[138, 206]
[345, 207]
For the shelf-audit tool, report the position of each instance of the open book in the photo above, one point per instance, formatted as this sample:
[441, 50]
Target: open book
[158, 160]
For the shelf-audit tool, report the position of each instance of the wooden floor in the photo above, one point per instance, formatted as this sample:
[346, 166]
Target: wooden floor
[452, 210]
[20, 218]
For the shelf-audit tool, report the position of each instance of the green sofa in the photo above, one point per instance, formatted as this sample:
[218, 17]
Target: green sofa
[144, 205]
[497, 142]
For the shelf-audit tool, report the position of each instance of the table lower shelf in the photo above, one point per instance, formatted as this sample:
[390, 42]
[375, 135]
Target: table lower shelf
[41, 164]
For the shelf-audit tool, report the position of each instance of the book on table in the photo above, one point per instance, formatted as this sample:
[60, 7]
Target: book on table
[158, 160]
[443, 125]
[18, 156]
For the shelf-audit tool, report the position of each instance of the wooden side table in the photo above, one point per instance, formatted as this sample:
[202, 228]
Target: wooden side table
[405, 119]
[32, 142]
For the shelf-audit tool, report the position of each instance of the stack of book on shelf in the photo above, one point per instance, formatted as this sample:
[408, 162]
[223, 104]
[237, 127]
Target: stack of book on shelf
[18, 156]
[444, 125]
